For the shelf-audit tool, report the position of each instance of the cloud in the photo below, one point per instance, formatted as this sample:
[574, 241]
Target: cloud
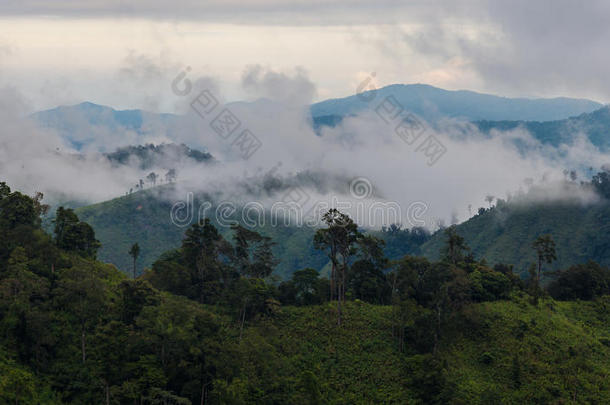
[32, 160]
[234, 11]
[363, 146]
[278, 86]
[537, 48]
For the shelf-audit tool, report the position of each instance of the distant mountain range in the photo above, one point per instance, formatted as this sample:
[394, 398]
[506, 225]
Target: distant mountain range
[432, 103]
[80, 124]
[595, 125]
[502, 234]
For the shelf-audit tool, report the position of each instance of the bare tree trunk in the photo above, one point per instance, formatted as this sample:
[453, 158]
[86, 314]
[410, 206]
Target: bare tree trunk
[243, 320]
[333, 275]
[134, 268]
[204, 392]
[437, 332]
[163, 353]
[107, 393]
[82, 343]
[337, 292]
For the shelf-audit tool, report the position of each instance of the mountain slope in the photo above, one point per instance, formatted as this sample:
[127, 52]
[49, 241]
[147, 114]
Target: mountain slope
[504, 234]
[432, 103]
[80, 124]
[144, 217]
[595, 125]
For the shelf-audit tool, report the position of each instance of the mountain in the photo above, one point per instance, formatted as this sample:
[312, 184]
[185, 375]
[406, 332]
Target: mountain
[501, 234]
[595, 125]
[78, 331]
[432, 103]
[504, 234]
[80, 124]
[144, 217]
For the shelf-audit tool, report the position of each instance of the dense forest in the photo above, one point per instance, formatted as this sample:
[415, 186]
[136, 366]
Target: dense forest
[579, 229]
[498, 233]
[143, 216]
[209, 323]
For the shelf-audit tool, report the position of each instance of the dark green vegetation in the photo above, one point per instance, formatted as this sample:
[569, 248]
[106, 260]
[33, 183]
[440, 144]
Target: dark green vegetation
[207, 324]
[144, 217]
[502, 234]
[154, 156]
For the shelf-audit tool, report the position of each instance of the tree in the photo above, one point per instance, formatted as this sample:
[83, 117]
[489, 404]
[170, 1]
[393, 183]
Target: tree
[64, 218]
[455, 248]
[73, 235]
[17, 209]
[203, 249]
[83, 294]
[545, 252]
[366, 279]
[134, 252]
[253, 253]
[339, 238]
[367, 282]
[601, 183]
[583, 281]
[170, 176]
[169, 273]
[489, 199]
[152, 178]
[306, 287]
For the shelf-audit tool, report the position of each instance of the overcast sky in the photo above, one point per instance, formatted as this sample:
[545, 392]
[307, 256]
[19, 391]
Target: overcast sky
[125, 53]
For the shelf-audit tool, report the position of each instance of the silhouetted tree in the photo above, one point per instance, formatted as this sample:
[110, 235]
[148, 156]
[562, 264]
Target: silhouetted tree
[339, 238]
[170, 176]
[545, 252]
[455, 249]
[72, 234]
[152, 178]
[134, 252]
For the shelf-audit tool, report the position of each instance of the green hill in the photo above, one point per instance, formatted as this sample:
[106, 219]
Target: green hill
[77, 331]
[504, 234]
[144, 217]
[500, 352]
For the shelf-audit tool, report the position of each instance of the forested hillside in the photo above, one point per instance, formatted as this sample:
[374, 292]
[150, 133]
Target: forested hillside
[594, 125]
[207, 324]
[504, 233]
[144, 217]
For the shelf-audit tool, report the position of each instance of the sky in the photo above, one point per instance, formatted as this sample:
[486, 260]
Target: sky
[127, 54]
[124, 54]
